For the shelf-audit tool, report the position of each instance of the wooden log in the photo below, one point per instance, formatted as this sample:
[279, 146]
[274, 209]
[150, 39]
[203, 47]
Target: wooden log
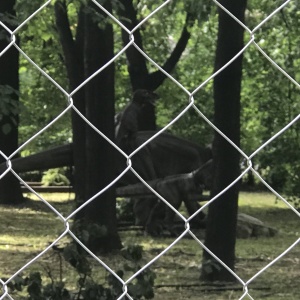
[187, 155]
[56, 157]
[48, 189]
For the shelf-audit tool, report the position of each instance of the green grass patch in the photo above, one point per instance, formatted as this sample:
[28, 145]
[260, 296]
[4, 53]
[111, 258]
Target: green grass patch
[27, 230]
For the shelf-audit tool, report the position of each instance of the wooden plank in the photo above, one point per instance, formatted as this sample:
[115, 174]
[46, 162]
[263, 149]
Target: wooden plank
[48, 189]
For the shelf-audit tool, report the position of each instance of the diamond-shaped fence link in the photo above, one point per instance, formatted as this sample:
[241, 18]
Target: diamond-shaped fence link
[65, 221]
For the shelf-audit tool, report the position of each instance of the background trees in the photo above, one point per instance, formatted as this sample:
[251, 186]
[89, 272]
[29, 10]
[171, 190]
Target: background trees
[159, 38]
[273, 104]
[184, 44]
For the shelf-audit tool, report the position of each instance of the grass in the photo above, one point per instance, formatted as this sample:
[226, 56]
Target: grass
[28, 229]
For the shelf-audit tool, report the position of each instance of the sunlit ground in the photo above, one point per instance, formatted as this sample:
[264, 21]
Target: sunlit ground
[27, 230]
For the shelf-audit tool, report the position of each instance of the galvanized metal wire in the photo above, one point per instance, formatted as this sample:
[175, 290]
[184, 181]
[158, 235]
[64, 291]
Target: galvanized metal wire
[65, 221]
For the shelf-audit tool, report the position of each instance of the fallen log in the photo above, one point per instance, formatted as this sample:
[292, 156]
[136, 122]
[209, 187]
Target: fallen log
[166, 155]
[182, 156]
[138, 190]
[189, 185]
[48, 189]
[56, 157]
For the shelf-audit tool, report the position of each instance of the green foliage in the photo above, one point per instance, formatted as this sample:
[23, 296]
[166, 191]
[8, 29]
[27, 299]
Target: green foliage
[88, 231]
[42, 101]
[292, 188]
[55, 177]
[142, 286]
[194, 68]
[88, 287]
[36, 290]
[125, 209]
[73, 255]
[132, 252]
[269, 99]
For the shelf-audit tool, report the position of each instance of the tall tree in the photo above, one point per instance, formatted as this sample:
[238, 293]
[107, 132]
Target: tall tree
[74, 58]
[93, 160]
[140, 77]
[10, 190]
[99, 98]
[222, 214]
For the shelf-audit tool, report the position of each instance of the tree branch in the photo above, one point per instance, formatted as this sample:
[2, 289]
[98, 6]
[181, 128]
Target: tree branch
[136, 62]
[139, 75]
[156, 78]
[67, 42]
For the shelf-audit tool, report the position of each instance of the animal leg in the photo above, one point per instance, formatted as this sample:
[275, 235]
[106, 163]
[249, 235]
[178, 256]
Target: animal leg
[192, 206]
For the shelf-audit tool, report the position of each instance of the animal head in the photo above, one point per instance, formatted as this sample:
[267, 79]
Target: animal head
[143, 97]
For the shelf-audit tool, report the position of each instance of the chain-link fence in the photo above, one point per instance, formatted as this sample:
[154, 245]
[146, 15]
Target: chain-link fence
[244, 285]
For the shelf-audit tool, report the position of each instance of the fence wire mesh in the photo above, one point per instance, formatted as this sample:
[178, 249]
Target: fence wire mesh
[65, 221]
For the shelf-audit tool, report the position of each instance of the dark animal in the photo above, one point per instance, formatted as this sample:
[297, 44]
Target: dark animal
[175, 189]
[187, 189]
[131, 119]
[129, 122]
[166, 155]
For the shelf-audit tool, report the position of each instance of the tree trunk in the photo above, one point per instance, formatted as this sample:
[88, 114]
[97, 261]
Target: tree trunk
[93, 156]
[100, 162]
[10, 190]
[73, 55]
[222, 214]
